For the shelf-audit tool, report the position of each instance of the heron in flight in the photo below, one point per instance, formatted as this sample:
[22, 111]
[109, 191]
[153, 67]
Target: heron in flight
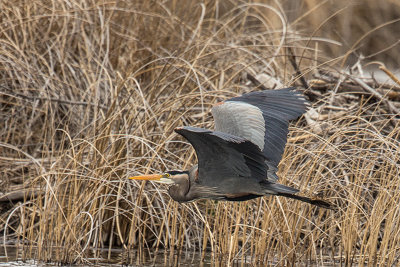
[239, 159]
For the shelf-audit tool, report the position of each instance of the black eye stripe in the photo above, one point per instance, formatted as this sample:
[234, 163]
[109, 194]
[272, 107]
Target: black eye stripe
[176, 172]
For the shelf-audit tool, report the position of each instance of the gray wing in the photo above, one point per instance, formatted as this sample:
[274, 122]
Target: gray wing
[261, 117]
[222, 155]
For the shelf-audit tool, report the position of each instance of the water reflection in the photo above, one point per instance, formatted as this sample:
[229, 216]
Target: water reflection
[15, 256]
[18, 256]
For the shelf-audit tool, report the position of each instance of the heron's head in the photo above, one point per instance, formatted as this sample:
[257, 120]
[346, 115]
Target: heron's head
[170, 177]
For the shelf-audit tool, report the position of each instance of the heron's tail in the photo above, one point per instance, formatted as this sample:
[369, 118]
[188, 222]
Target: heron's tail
[317, 202]
[286, 191]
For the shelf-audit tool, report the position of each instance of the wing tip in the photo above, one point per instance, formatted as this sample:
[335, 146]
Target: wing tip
[178, 129]
[182, 129]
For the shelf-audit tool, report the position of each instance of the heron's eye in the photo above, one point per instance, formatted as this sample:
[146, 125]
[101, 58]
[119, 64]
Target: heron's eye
[167, 175]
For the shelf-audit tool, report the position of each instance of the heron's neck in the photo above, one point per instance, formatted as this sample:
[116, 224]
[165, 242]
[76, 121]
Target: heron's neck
[194, 173]
[180, 189]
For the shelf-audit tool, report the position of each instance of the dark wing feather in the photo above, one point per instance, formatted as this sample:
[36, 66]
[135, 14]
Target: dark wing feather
[222, 155]
[277, 107]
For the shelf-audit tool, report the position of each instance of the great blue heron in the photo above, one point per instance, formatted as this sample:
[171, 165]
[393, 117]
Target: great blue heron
[238, 161]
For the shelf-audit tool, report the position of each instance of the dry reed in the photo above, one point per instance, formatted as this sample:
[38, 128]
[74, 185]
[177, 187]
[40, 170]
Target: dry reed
[91, 92]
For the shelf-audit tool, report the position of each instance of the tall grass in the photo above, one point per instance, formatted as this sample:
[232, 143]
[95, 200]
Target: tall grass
[91, 92]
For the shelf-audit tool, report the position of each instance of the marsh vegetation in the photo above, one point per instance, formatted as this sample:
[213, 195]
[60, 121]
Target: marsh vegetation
[91, 92]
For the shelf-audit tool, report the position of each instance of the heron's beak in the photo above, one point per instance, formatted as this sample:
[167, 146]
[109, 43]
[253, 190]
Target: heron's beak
[151, 177]
[159, 178]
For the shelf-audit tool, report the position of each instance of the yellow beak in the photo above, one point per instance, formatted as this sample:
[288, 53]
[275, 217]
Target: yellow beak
[159, 178]
[150, 177]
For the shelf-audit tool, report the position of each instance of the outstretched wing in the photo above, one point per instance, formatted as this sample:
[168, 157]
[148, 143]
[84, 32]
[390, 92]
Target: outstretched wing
[222, 155]
[261, 117]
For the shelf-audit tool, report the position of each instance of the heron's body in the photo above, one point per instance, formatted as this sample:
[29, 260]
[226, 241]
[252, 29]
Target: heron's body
[220, 189]
[238, 161]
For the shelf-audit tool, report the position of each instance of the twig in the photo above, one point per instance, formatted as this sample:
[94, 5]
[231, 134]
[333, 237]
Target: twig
[69, 102]
[390, 74]
[19, 195]
[375, 94]
[292, 60]
[256, 82]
